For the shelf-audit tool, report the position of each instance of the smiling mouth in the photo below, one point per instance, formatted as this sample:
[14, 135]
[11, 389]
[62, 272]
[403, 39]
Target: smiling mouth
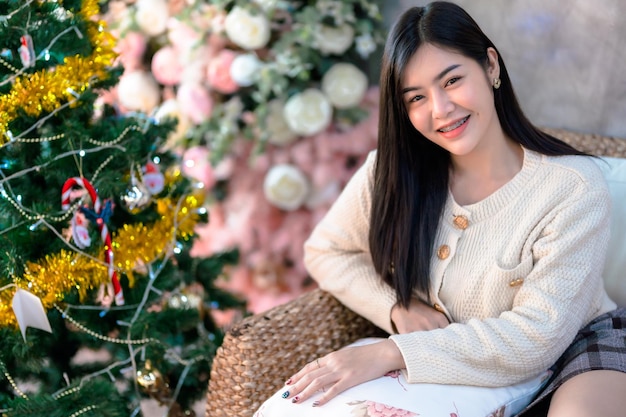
[453, 126]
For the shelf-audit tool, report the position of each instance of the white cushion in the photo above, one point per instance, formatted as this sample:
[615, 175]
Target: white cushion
[614, 170]
[392, 395]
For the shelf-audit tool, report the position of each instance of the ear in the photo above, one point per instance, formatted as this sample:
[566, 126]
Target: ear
[493, 66]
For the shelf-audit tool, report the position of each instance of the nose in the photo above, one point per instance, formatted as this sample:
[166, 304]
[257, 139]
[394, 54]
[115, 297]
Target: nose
[441, 105]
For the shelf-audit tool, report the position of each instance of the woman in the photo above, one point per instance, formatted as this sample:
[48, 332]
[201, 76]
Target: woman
[476, 240]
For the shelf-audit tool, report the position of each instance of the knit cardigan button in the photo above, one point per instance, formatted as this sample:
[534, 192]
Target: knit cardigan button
[443, 252]
[460, 222]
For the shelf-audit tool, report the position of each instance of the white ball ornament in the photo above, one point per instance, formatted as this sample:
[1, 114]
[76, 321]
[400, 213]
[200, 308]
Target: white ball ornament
[138, 91]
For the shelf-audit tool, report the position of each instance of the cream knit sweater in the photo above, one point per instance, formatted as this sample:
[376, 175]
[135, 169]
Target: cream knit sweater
[522, 273]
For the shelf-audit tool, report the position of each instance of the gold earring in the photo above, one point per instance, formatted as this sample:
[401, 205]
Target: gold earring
[496, 83]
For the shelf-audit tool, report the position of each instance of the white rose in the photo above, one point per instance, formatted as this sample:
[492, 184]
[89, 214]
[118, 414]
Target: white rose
[308, 112]
[334, 40]
[152, 16]
[138, 91]
[245, 69]
[247, 30]
[365, 45]
[170, 109]
[286, 187]
[344, 85]
[279, 132]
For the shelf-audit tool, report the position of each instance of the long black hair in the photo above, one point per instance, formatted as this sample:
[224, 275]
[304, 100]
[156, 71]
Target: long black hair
[412, 173]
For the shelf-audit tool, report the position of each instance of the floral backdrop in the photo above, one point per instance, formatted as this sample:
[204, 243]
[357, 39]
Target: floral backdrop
[275, 109]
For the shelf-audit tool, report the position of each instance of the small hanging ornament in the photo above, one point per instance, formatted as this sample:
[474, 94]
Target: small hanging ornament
[155, 385]
[150, 379]
[99, 215]
[80, 233]
[136, 197]
[153, 179]
[27, 51]
[180, 301]
[29, 312]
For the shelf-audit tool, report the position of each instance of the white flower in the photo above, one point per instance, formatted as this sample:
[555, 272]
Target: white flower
[138, 91]
[344, 85]
[171, 109]
[245, 69]
[279, 132]
[334, 40]
[247, 30]
[286, 187]
[152, 16]
[308, 112]
[365, 45]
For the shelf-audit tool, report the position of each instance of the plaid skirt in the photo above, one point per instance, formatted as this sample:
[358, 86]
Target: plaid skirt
[600, 345]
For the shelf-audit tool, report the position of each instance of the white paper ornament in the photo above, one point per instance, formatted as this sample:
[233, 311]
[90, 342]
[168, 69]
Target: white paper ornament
[29, 312]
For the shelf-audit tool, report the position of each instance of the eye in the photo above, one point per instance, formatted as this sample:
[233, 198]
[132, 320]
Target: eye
[415, 98]
[452, 80]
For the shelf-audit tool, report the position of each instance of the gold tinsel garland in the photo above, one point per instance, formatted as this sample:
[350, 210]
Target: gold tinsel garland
[134, 246]
[45, 90]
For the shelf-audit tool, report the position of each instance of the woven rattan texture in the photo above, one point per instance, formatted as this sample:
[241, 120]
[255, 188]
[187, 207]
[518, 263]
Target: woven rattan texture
[262, 351]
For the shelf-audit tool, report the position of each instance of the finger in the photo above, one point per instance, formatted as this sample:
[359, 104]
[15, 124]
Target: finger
[309, 388]
[330, 392]
[309, 367]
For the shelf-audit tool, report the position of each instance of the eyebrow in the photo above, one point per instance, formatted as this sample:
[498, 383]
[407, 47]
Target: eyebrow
[437, 78]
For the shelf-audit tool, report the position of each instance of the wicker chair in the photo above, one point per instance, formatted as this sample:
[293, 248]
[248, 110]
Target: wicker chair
[260, 352]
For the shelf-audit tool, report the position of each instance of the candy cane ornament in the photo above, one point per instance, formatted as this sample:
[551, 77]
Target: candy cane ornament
[99, 215]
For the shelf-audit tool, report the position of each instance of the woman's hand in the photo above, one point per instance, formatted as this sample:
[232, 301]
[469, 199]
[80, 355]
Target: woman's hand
[419, 316]
[343, 369]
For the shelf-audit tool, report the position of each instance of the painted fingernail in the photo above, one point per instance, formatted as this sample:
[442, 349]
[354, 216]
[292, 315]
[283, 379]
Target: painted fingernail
[316, 404]
[295, 399]
[285, 394]
[288, 381]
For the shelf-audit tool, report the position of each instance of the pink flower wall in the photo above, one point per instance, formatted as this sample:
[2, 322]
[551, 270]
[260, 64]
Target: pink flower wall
[274, 115]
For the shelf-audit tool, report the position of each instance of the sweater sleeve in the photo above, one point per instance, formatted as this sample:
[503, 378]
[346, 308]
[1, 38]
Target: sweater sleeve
[558, 296]
[337, 253]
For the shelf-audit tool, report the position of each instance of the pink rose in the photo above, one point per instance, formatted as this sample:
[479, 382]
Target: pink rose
[166, 67]
[131, 48]
[195, 102]
[375, 409]
[182, 36]
[218, 72]
[196, 165]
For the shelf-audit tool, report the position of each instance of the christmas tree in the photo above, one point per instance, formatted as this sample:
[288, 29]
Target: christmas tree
[96, 224]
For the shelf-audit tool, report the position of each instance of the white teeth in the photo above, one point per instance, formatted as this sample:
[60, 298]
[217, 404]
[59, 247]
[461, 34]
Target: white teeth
[454, 126]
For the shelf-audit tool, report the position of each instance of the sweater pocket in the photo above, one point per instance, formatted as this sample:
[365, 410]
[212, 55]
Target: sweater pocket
[502, 285]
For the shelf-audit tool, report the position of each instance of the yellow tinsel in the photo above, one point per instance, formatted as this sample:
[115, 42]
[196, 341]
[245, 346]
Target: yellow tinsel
[51, 278]
[135, 245]
[46, 90]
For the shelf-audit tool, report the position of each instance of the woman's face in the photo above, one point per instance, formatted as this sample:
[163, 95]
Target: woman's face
[449, 98]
